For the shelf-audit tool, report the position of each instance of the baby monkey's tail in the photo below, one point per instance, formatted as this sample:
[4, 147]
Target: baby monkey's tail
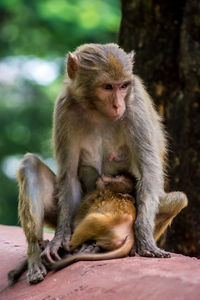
[14, 275]
[123, 251]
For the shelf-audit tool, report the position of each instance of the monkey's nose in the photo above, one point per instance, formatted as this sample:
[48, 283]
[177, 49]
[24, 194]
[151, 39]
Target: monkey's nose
[116, 106]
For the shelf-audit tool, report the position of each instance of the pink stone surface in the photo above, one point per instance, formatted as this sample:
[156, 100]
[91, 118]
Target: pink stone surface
[129, 278]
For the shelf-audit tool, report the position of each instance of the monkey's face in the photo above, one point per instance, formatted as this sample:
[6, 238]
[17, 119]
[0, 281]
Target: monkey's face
[101, 76]
[111, 97]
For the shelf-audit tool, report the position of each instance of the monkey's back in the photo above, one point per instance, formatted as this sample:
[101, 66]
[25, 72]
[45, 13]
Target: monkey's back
[107, 203]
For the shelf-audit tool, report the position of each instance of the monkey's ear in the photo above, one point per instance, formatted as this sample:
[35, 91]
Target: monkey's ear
[131, 55]
[72, 65]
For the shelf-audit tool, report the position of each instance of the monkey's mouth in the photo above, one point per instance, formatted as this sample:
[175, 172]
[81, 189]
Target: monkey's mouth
[116, 116]
[111, 115]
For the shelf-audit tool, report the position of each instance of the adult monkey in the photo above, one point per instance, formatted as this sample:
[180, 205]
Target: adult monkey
[104, 123]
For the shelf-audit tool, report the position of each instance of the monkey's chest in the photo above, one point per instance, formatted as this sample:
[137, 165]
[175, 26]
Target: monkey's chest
[100, 155]
[116, 159]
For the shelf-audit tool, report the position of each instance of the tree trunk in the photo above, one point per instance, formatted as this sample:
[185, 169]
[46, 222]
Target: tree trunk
[166, 38]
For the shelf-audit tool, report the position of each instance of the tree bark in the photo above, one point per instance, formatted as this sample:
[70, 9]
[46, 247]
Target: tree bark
[166, 38]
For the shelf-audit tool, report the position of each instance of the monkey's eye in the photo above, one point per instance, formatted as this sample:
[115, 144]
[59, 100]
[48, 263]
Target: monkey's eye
[125, 85]
[107, 86]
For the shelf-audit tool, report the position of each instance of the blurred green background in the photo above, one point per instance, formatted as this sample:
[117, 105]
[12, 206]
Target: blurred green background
[34, 39]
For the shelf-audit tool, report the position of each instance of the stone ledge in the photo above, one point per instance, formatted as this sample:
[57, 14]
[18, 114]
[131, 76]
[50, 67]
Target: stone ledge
[136, 278]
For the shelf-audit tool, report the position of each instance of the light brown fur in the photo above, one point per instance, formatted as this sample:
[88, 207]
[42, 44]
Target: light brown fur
[102, 111]
[105, 216]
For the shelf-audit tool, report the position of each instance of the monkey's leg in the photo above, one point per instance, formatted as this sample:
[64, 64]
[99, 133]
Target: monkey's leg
[36, 207]
[170, 205]
[91, 226]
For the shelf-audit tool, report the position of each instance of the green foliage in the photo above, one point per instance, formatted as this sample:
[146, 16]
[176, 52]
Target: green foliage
[25, 127]
[28, 85]
[49, 27]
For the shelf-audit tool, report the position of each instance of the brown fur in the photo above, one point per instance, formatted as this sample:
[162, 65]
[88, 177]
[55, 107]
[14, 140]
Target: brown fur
[95, 118]
[105, 216]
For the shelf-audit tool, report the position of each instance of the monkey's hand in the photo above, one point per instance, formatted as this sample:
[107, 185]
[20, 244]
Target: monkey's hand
[58, 246]
[145, 244]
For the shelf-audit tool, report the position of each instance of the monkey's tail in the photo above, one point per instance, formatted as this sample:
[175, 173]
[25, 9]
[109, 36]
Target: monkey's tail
[14, 275]
[118, 253]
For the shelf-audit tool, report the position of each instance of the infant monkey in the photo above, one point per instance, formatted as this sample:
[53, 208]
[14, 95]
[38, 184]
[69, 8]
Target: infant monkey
[105, 216]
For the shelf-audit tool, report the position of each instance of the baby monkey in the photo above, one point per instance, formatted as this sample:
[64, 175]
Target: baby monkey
[105, 216]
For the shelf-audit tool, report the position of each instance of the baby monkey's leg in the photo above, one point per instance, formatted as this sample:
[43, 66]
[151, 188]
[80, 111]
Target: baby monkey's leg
[170, 205]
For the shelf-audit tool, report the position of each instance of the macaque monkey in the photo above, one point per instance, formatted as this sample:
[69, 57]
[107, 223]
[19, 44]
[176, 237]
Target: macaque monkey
[104, 123]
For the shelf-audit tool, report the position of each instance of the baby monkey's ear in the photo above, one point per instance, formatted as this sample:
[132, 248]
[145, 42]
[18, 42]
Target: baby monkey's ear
[72, 65]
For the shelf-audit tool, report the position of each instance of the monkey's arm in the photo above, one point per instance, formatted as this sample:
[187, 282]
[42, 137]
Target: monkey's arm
[68, 187]
[146, 138]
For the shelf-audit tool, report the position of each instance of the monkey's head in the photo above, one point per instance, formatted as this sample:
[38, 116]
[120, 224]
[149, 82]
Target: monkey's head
[118, 184]
[101, 77]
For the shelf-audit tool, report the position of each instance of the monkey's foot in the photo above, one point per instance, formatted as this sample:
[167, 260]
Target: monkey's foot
[43, 243]
[153, 251]
[36, 273]
[87, 248]
[93, 248]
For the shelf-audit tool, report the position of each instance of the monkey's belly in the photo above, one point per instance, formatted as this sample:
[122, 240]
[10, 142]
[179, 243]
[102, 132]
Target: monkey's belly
[116, 160]
[89, 168]
[92, 165]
